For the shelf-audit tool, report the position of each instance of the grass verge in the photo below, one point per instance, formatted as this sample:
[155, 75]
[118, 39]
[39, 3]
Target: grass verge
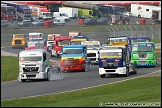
[139, 90]
[9, 68]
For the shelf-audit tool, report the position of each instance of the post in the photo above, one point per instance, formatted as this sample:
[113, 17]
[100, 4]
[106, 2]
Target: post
[131, 29]
[114, 31]
[159, 31]
[125, 28]
[152, 33]
[108, 29]
[144, 29]
[122, 30]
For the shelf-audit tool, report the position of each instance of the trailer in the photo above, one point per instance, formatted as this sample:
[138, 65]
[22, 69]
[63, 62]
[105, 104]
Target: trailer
[40, 12]
[23, 12]
[144, 11]
[71, 12]
[8, 12]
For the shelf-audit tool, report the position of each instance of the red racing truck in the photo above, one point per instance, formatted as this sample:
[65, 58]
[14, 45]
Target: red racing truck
[58, 43]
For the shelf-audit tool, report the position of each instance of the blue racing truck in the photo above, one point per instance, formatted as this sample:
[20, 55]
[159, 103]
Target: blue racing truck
[74, 58]
[114, 60]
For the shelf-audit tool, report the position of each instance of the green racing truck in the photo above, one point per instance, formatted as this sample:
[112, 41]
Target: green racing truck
[143, 54]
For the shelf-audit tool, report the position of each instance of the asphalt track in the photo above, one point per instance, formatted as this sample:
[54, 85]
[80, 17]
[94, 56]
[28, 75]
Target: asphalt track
[66, 82]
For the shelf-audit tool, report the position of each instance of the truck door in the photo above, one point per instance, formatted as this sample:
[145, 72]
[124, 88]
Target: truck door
[44, 60]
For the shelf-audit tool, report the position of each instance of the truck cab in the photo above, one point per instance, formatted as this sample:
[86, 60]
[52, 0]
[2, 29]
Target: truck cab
[59, 42]
[78, 39]
[92, 50]
[18, 41]
[137, 39]
[117, 41]
[34, 64]
[143, 54]
[114, 60]
[74, 57]
[74, 33]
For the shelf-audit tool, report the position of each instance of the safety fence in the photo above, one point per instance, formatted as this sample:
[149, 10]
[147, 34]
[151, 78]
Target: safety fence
[154, 32]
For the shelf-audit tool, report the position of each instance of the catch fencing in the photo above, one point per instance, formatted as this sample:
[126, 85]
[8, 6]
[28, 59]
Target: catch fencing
[152, 31]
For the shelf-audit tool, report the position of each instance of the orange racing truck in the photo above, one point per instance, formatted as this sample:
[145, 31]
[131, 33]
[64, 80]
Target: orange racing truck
[74, 58]
[58, 43]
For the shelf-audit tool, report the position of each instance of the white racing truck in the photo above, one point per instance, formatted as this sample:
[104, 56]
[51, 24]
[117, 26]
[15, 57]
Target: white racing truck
[92, 50]
[34, 64]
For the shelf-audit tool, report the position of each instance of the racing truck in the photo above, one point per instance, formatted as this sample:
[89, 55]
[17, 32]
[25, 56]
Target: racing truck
[74, 58]
[50, 40]
[143, 54]
[114, 60]
[137, 39]
[18, 41]
[78, 39]
[58, 43]
[74, 33]
[117, 41]
[34, 64]
[92, 50]
[36, 41]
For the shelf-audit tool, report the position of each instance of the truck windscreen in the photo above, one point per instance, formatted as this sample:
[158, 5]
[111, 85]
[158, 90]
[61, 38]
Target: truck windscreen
[72, 51]
[75, 43]
[38, 58]
[142, 49]
[62, 43]
[110, 54]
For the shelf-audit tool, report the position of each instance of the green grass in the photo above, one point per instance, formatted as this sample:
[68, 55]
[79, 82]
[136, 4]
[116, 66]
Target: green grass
[157, 41]
[9, 68]
[145, 89]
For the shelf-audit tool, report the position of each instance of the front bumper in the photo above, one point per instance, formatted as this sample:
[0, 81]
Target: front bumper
[120, 70]
[148, 63]
[71, 68]
[33, 75]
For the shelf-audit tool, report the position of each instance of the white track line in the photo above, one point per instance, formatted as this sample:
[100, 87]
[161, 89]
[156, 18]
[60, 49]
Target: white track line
[86, 87]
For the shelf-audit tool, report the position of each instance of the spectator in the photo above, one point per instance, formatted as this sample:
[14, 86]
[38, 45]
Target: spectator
[128, 19]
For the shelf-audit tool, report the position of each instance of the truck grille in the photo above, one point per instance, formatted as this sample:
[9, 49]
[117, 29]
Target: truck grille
[110, 65]
[71, 62]
[30, 69]
[91, 55]
[38, 45]
[92, 59]
[142, 55]
[17, 41]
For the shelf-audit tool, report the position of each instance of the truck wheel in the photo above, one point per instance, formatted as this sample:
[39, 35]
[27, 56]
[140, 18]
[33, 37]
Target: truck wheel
[48, 75]
[135, 69]
[57, 55]
[127, 72]
[102, 76]
[23, 80]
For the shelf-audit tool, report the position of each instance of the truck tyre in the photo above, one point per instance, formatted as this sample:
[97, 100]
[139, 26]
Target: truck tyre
[139, 16]
[23, 80]
[57, 55]
[102, 76]
[135, 69]
[48, 76]
[127, 72]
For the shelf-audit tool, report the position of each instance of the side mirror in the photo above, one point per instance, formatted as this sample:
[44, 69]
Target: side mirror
[48, 55]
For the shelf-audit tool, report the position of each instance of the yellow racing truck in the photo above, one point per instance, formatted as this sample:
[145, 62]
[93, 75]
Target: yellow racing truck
[18, 41]
[117, 41]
